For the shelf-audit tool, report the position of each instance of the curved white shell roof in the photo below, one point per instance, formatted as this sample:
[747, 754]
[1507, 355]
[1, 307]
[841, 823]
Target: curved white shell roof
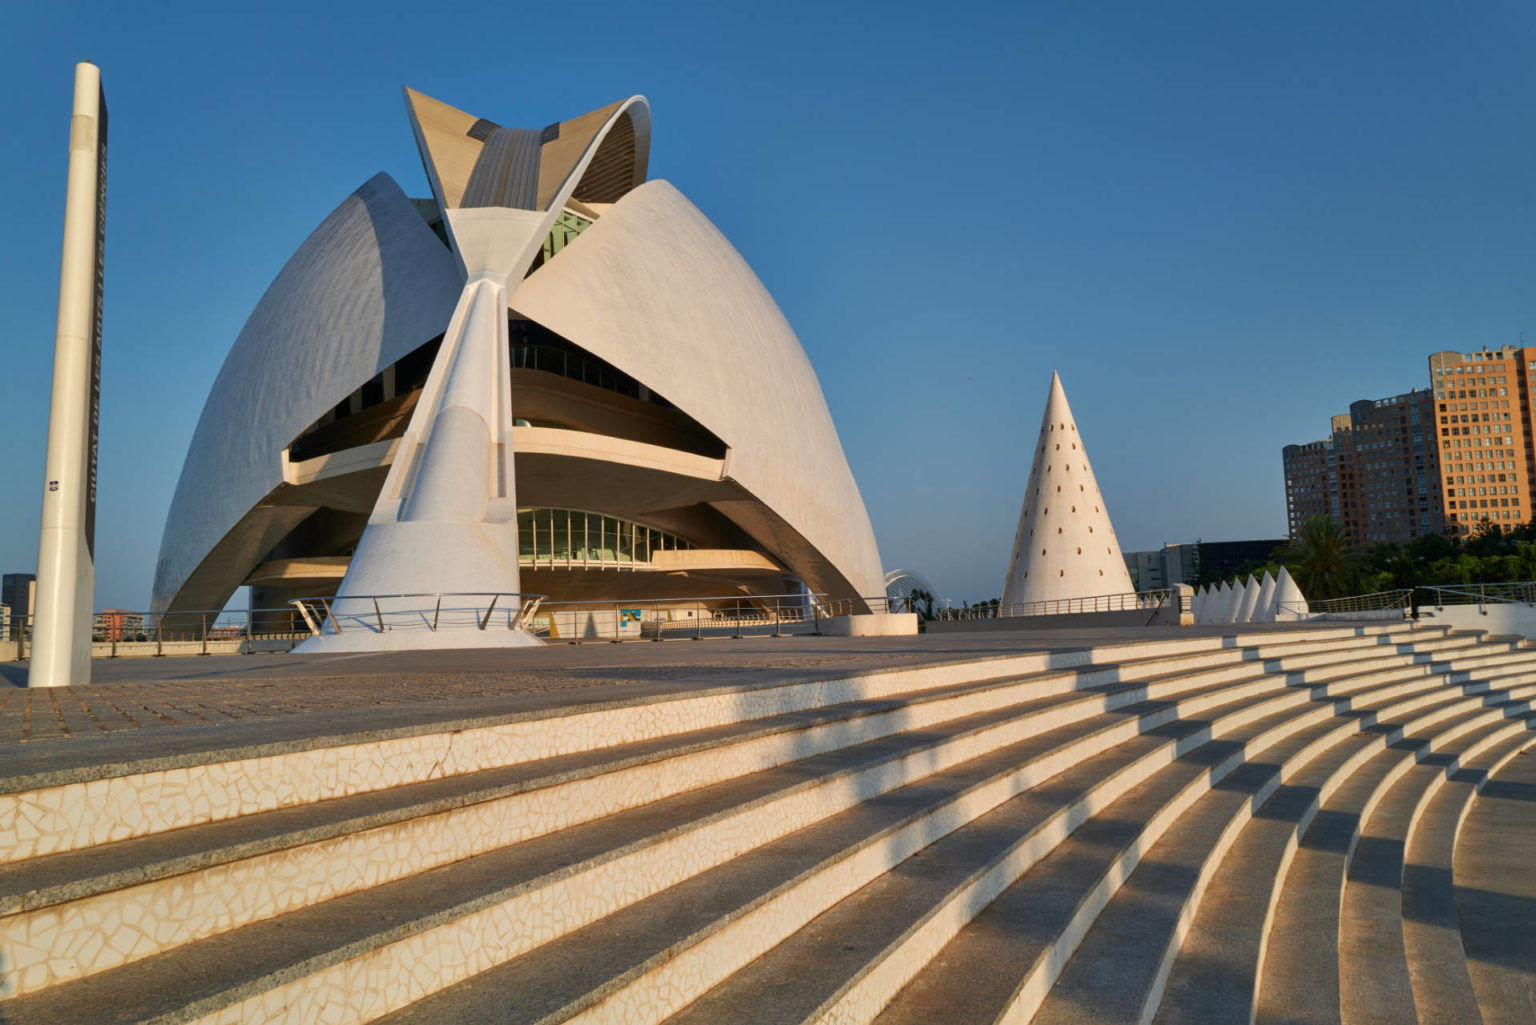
[651, 287]
[1065, 546]
[655, 289]
[369, 285]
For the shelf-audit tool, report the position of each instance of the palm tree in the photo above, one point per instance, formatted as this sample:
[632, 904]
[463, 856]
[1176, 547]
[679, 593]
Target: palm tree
[1321, 560]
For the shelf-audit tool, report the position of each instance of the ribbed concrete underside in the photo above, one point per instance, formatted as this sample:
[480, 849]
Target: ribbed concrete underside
[1313, 825]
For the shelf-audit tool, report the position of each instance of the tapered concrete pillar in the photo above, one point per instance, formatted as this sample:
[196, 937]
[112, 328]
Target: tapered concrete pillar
[66, 572]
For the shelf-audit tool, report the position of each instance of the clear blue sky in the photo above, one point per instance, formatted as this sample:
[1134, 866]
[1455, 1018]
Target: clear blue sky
[1221, 222]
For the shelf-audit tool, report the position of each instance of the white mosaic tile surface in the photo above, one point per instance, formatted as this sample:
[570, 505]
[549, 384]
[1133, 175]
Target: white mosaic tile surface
[76, 815]
[53, 945]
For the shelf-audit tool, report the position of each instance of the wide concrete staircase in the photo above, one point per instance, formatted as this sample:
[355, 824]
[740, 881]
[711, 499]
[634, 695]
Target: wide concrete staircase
[1202, 829]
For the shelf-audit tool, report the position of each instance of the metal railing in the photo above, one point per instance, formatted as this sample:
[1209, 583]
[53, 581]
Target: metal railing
[700, 618]
[1395, 604]
[117, 633]
[120, 632]
[1519, 592]
[1151, 602]
[381, 613]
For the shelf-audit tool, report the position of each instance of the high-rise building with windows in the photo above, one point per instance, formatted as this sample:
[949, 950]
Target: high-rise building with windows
[1396, 468]
[1483, 418]
[18, 592]
[1310, 482]
[1377, 473]
[1320, 480]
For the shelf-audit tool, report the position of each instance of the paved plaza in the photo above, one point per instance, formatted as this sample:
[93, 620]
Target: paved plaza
[221, 700]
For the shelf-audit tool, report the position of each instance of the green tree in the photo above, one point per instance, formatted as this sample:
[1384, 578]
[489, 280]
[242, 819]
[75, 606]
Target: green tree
[1323, 563]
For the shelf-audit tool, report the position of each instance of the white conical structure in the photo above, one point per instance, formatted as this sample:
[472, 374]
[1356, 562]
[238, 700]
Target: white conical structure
[1264, 610]
[1221, 609]
[1233, 600]
[1287, 594]
[1197, 606]
[1208, 604]
[1065, 546]
[1248, 601]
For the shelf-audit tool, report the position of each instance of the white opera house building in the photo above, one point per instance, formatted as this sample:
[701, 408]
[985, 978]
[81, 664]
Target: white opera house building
[554, 376]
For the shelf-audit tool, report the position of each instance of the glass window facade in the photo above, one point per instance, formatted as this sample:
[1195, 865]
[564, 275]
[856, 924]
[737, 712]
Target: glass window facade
[576, 538]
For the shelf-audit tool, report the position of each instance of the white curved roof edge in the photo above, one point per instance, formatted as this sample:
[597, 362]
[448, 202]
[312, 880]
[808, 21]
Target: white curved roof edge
[370, 284]
[653, 288]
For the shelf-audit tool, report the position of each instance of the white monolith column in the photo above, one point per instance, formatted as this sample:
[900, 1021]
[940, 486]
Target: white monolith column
[66, 572]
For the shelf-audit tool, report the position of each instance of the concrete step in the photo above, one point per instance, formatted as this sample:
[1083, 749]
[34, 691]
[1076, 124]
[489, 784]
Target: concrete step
[1300, 980]
[478, 999]
[290, 858]
[872, 983]
[394, 894]
[1371, 944]
[1437, 958]
[1218, 971]
[516, 897]
[72, 807]
[680, 932]
[1495, 891]
[520, 977]
[1056, 900]
[1111, 978]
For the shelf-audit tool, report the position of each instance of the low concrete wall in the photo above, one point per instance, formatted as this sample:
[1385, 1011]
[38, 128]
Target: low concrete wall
[880, 624]
[1496, 619]
[1063, 621]
[145, 649]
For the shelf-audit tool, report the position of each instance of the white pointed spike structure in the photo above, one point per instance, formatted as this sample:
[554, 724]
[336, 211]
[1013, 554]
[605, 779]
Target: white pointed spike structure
[1228, 607]
[1065, 546]
[1264, 610]
[1207, 604]
[1290, 603]
[1249, 601]
[1197, 605]
[1239, 593]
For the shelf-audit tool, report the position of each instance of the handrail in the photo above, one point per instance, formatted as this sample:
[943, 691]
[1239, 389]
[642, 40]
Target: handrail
[1376, 601]
[122, 631]
[1133, 601]
[321, 612]
[1517, 592]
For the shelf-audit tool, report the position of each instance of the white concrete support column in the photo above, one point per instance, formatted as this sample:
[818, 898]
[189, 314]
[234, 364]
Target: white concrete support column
[66, 572]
